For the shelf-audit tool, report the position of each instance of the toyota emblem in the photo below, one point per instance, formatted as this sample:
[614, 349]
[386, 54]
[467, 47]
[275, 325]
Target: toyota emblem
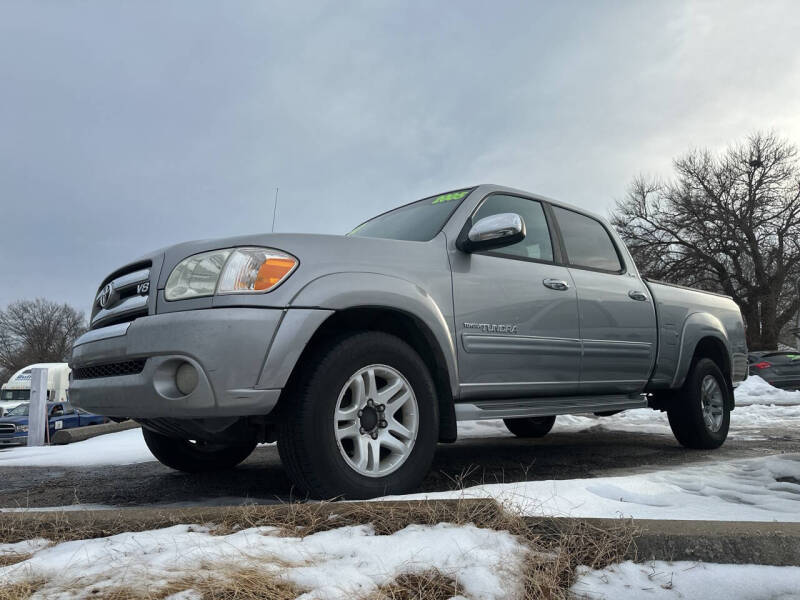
[105, 295]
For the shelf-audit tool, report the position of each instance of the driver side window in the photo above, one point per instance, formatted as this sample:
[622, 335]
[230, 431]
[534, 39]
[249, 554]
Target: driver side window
[537, 244]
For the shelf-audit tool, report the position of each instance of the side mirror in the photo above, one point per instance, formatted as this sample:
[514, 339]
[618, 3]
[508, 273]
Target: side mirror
[495, 231]
[57, 413]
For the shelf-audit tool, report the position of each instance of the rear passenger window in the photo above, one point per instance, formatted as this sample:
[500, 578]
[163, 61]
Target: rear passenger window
[587, 242]
[537, 244]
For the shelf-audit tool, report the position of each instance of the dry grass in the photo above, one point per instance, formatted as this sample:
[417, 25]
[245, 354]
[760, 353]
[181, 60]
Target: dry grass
[12, 559]
[557, 547]
[299, 519]
[248, 583]
[430, 585]
[20, 590]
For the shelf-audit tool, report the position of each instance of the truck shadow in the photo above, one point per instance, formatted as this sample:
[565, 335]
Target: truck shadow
[261, 478]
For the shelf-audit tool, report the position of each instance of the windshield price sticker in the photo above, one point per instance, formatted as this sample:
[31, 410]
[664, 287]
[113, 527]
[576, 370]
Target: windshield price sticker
[450, 197]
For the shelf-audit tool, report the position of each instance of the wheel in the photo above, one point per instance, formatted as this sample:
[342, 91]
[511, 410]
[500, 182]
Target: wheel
[361, 421]
[532, 427]
[195, 457]
[699, 415]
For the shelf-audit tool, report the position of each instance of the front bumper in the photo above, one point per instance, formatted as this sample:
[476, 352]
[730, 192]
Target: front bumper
[13, 439]
[226, 346]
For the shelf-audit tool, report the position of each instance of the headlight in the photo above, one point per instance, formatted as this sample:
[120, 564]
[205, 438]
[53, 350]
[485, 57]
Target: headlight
[22, 429]
[229, 271]
[196, 275]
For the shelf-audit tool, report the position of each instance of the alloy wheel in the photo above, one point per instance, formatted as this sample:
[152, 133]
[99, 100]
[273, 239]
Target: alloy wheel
[713, 403]
[376, 420]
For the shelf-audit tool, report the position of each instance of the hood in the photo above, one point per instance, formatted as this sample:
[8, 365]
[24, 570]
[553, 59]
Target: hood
[321, 255]
[15, 420]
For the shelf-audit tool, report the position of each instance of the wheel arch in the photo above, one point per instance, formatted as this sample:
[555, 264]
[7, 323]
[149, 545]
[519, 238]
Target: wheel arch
[704, 336]
[373, 302]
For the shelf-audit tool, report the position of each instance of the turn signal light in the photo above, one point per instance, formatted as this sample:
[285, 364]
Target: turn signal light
[272, 271]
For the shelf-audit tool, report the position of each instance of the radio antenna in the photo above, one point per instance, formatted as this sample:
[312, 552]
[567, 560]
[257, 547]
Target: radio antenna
[274, 210]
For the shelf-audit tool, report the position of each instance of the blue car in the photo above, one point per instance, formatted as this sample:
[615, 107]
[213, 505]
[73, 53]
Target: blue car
[62, 415]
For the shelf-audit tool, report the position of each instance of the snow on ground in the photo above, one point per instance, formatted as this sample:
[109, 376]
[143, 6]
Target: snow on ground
[757, 489]
[25, 547]
[349, 562]
[673, 580]
[755, 390]
[120, 448]
[64, 508]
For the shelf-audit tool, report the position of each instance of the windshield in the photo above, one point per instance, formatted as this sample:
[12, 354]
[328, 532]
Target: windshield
[419, 221]
[19, 411]
[15, 395]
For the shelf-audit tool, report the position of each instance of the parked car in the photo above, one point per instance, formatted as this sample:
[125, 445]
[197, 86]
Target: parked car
[781, 369]
[61, 415]
[359, 352]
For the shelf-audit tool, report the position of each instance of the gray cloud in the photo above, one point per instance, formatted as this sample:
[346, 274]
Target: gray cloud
[129, 126]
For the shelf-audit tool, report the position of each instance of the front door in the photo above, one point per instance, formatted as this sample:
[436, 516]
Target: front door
[516, 312]
[617, 316]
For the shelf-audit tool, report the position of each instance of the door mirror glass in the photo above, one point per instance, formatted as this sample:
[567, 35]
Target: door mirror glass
[494, 231]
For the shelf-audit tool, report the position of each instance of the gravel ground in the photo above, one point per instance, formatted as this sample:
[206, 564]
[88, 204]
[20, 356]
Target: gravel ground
[468, 462]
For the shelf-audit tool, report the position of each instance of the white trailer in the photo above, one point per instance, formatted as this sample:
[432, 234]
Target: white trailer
[18, 389]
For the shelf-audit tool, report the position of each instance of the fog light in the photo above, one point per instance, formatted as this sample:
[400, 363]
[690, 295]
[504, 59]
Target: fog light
[186, 379]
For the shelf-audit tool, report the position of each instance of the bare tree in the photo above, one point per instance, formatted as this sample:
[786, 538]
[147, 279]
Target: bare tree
[727, 223]
[37, 331]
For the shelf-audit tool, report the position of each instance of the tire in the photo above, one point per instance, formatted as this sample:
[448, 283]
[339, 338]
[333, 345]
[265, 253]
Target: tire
[694, 426]
[326, 427]
[533, 427]
[184, 455]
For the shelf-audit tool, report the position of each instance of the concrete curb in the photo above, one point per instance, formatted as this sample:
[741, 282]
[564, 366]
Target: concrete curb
[729, 542]
[78, 434]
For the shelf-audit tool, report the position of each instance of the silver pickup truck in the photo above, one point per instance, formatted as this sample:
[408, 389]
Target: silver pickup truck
[358, 353]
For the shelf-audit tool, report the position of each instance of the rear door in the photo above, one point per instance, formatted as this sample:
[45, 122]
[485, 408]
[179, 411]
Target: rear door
[516, 311]
[617, 316]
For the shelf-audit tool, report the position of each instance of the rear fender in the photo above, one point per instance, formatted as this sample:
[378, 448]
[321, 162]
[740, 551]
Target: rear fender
[697, 327]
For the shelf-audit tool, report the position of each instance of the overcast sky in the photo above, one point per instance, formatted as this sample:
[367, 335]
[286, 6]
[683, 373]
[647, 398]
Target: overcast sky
[127, 126]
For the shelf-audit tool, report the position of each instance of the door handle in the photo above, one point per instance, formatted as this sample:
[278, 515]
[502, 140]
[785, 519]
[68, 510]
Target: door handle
[638, 295]
[556, 284]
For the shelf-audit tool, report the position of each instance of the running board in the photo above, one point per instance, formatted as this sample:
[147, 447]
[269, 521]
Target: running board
[545, 407]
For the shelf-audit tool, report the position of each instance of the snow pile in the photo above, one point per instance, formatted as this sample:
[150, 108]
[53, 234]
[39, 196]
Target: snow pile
[349, 562]
[120, 448]
[759, 489]
[755, 390]
[672, 580]
[25, 547]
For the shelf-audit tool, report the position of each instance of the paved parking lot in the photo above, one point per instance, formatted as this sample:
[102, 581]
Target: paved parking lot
[567, 455]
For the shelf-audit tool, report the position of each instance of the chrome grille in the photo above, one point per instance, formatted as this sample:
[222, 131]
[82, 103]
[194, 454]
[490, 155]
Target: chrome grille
[7, 428]
[123, 297]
